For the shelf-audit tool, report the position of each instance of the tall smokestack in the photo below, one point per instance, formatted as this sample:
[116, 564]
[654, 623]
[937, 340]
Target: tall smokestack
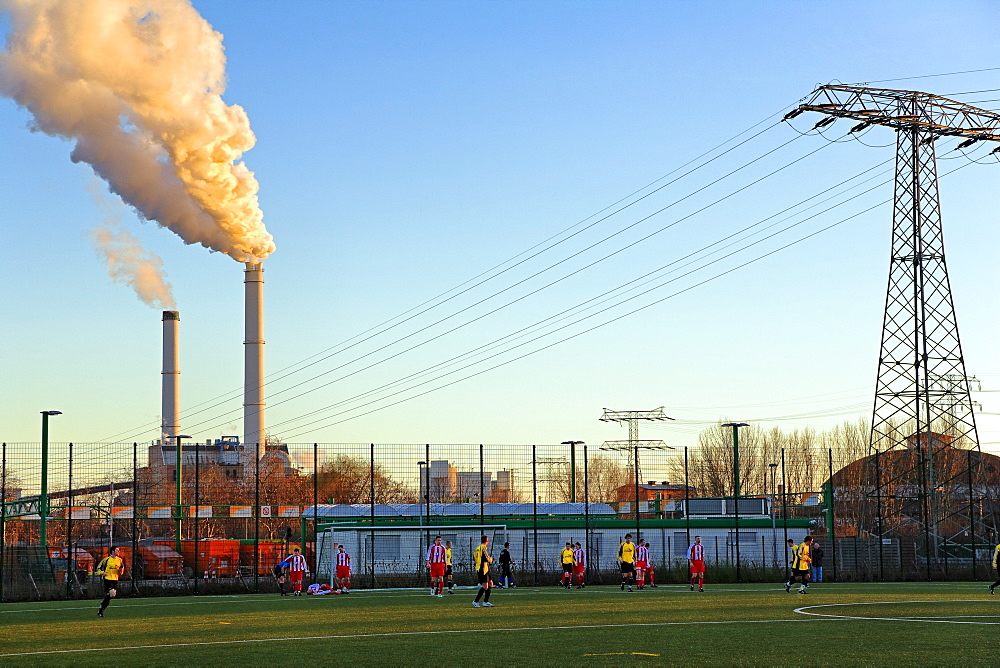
[171, 395]
[253, 363]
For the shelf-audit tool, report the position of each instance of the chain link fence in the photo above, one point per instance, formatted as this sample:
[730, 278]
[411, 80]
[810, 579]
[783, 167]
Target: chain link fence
[231, 518]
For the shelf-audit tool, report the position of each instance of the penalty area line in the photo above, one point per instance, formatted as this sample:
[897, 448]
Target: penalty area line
[805, 610]
[398, 634]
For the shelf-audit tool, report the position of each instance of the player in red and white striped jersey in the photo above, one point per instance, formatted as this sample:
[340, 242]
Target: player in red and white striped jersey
[343, 570]
[650, 571]
[437, 560]
[579, 565]
[641, 563]
[696, 558]
[297, 567]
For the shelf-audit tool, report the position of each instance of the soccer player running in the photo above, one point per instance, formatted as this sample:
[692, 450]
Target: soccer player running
[297, 568]
[505, 564]
[579, 566]
[996, 567]
[436, 558]
[343, 570]
[481, 559]
[567, 559]
[641, 563]
[112, 567]
[801, 564]
[447, 567]
[696, 563]
[626, 560]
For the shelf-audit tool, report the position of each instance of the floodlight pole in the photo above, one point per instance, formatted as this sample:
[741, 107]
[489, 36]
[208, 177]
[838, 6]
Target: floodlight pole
[43, 497]
[736, 486]
[572, 468]
[178, 463]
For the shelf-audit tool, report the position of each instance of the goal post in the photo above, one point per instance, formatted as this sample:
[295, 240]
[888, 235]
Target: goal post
[394, 556]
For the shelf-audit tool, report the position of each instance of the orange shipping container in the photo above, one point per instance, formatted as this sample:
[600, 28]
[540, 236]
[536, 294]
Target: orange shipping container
[159, 561]
[219, 557]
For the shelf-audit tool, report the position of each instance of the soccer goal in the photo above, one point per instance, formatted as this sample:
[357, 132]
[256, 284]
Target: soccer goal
[393, 556]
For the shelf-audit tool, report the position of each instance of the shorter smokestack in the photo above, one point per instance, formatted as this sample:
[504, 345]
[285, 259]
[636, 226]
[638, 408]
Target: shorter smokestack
[170, 425]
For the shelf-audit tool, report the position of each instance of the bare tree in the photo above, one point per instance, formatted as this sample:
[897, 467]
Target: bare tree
[346, 479]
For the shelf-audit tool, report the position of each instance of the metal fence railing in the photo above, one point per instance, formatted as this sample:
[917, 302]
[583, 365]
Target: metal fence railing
[231, 518]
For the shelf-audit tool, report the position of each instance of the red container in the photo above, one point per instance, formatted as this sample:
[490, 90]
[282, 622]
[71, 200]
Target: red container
[159, 561]
[217, 557]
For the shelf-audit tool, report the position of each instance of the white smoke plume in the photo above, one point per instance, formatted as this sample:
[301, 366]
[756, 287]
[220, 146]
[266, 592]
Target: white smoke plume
[127, 261]
[137, 85]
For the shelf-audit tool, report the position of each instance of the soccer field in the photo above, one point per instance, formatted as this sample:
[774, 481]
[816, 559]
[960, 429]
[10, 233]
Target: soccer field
[842, 624]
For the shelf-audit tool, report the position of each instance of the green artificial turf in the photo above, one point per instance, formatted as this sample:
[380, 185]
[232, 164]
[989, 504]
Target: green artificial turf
[900, 624]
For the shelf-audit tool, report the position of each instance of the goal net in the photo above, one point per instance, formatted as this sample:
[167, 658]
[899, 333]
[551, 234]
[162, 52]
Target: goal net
[394, 556]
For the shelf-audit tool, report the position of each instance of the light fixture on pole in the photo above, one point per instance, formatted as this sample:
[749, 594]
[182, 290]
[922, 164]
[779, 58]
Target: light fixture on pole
[43, 497]
[736, 486]
[774, 529]
[426, 486]
[178, 479]
[572, 468]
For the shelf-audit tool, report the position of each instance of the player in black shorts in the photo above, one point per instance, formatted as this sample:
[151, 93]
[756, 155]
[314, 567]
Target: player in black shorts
[481, 559]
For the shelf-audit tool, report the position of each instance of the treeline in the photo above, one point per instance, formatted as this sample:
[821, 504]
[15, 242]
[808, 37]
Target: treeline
[801, 457]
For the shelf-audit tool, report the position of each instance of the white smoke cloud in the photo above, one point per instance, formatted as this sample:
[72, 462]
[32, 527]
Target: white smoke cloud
[137, 85]
[129, 263]
[126, 259]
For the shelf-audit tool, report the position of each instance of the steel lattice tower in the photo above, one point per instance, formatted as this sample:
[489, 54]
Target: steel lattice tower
[923, 411]
[634, 443]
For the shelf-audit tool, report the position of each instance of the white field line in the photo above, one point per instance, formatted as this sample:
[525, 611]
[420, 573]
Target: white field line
[805, 610]
[381, 593]
[412, 633]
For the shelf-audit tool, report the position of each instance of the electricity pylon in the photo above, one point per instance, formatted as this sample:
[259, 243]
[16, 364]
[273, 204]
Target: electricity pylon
[923, 409]
[634, 443]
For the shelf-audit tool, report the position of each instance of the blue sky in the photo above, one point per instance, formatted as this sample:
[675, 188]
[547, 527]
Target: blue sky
[404, 148]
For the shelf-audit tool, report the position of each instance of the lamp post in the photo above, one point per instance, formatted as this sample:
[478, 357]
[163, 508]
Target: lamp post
[425, 476]
[736, 486]
[572, 468]
[179, 479]
[43, 497]
[425, 485]
[774, 528]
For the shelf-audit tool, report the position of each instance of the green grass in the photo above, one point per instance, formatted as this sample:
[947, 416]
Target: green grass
[952, 624]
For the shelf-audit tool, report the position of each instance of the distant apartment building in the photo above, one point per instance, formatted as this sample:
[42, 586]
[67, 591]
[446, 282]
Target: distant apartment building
[448, 484]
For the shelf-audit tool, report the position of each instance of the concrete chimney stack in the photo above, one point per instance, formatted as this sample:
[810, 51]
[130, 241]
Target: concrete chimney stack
[253, 364]
[171, 386]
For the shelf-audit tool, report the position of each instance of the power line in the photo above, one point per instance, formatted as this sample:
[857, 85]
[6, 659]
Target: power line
[635, 283]
[543, 271]
[581, 333]
[930, 76]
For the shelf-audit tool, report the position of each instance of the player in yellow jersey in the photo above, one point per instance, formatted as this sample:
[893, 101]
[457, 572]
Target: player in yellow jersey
[567, 559]
[481, 559]
[112, 567]
[801, 564]
[626, 559]
[996, 567]
[447, 567]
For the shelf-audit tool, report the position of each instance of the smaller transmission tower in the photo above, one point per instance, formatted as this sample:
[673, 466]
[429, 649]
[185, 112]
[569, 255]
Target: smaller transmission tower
[634, 443]
[554, 475]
